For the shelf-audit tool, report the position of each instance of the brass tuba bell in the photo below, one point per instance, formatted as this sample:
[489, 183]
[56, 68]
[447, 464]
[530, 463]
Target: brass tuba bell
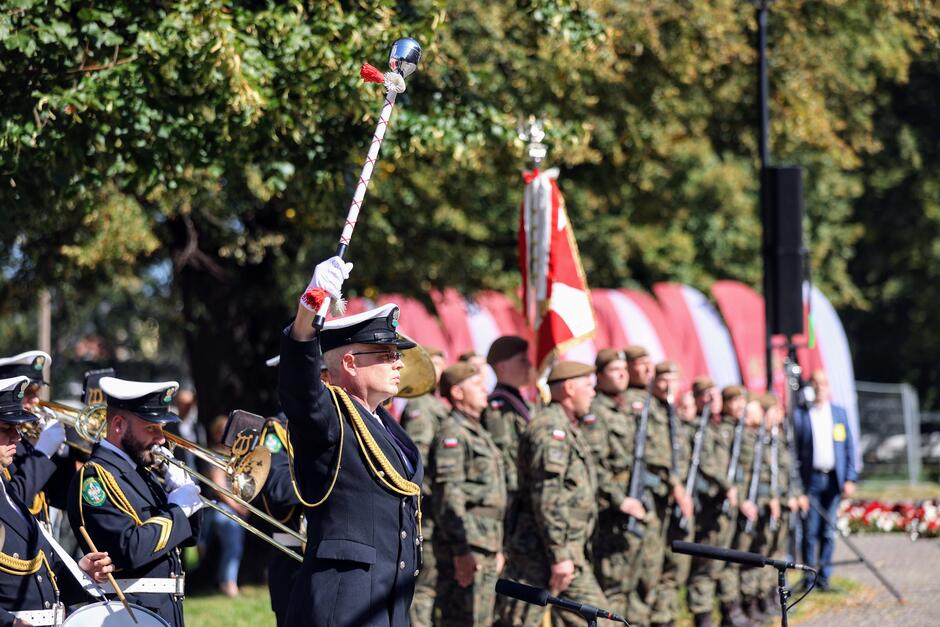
[418, 377]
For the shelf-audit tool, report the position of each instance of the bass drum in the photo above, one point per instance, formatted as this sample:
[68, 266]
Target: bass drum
[113, 614]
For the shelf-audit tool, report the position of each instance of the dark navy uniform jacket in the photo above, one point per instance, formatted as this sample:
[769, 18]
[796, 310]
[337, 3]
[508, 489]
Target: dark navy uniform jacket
[23, 541]
[279, 500]
[362, 554]
[141, 531]
[33, 469]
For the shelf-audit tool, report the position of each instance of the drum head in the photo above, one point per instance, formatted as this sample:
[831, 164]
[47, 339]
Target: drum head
[113, 614]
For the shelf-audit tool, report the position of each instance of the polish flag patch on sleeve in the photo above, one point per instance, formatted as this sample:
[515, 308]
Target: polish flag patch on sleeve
[450, 442]
[558, 434]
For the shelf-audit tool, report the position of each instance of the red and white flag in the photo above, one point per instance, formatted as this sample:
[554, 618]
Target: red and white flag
[556, 296]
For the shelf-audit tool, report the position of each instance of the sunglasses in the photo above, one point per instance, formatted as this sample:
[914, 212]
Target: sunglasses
[390, 356]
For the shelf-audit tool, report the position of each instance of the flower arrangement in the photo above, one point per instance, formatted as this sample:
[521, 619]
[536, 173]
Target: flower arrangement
[918, 518]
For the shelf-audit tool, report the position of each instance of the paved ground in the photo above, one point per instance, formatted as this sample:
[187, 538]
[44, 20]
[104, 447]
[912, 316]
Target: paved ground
[912, 567]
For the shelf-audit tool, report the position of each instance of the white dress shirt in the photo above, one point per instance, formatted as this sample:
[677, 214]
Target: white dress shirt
[824, 454]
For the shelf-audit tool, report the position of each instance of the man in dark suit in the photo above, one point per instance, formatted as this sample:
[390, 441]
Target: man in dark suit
[33, 578]
[358, 472]
[126, 511]
[826, 451]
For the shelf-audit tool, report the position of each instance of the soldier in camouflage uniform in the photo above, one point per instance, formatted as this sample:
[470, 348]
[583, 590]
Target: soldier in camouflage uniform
[665, 467]
[469, 504]
[508, 412]
[557, 505]
[716, 523]
[676, 566]
[781, 491]
[749, 509]
[610, 434]
[421, 419]
[663, 484]
[710, 492]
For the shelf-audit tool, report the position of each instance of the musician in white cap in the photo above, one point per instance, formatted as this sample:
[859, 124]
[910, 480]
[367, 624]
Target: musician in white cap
[34, 580]
[126, 511]
[35, 461]
[356, 470]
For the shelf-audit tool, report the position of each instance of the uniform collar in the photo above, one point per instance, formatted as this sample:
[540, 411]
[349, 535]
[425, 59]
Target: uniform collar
[511, 390]
[110, 447]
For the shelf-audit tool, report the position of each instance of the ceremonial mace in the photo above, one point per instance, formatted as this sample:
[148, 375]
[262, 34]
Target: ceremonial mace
[403, 61]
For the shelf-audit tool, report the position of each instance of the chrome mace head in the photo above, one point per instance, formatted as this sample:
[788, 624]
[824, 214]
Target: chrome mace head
[405, 56]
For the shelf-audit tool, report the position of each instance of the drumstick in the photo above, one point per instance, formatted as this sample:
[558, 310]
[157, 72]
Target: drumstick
[111, 580]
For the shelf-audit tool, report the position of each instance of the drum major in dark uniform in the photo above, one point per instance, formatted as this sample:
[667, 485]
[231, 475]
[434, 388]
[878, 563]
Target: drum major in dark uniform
[358, 471]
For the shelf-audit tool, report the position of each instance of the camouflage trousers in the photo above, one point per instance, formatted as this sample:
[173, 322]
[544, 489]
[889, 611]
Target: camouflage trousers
[422, 606]
[616, 553]
[728, 576]
[712, 528]
[773, 544]
[649, 562]
[471, 606]
[514, 613]
[675, 573]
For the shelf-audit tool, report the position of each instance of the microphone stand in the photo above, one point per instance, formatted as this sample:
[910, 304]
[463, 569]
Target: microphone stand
[784, 593]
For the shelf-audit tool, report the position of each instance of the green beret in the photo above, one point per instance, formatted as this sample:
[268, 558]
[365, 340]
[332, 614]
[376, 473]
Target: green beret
[667, 367]
[732, 391]
[702, 384]
[455, 375]
[564, 370]
[607, 355]
[635, 352]
[506, 347]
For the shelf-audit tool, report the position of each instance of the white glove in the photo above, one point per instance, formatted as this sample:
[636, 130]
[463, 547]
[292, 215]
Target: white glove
[175, 477]
[51, 438]
[187, 498]
[329, 276]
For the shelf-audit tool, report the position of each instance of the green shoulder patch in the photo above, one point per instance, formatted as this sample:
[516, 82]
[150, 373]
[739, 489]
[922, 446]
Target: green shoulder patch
[273, 443]
[93, 493]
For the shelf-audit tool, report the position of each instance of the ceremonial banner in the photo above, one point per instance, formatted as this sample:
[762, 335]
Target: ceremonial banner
[557, 302]
[705, 345]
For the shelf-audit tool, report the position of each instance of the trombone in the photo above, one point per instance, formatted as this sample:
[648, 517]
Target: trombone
[248, 472]
[89, 422]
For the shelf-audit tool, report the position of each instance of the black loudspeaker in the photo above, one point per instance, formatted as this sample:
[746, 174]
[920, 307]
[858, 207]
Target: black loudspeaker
[782, 206]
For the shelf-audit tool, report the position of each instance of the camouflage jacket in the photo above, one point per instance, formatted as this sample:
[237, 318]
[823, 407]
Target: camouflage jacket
[660, 477]
[421, 419]
[469, 487]
[611, 439]
[505, 424]
[557, 489]
[716, 456]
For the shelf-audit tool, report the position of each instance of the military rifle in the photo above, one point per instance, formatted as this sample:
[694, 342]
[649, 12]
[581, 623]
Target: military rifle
[735, 460]
[756, 465]
[638, 473]
[690, 481]
[775, 472]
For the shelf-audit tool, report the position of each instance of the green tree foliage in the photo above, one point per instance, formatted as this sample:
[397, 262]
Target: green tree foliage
[218, 143]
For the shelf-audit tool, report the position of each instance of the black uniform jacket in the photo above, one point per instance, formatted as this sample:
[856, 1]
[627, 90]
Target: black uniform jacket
[362, 554]
[23, 541]
[279, 500]
[33, 469]
[126, 513]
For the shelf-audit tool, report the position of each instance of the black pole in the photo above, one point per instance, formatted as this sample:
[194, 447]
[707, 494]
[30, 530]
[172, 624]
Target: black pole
[783, 594]
[764, 139]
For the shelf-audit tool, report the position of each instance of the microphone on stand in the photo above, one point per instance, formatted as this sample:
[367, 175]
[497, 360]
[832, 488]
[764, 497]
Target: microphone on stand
[738, 557]
[538, 596]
